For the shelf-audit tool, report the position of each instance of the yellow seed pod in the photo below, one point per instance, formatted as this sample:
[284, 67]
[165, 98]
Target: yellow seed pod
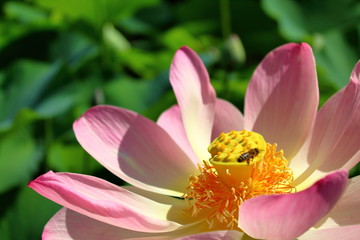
[237, 147]
[237, 152]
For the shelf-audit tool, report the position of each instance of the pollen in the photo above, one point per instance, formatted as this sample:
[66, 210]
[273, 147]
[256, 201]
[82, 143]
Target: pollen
[244, 168]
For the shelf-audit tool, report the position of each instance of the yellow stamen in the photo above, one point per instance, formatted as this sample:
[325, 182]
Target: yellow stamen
[245, 168]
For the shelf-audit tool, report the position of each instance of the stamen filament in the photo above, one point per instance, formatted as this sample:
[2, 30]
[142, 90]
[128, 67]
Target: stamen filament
[223, 183]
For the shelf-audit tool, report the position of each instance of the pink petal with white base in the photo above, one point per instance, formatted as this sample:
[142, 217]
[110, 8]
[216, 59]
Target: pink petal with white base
[227, 118]
[171, 122]
[355, 159]
[134, 148]
[196, 98]
[344, 233]
[179, 211]
[282, 97]
[336, 136]
[105, 202]
[347, 210]
[70, 225]
[217, 235]
[287, 216]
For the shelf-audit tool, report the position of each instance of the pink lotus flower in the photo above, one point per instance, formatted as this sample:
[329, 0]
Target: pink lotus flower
[237, 187]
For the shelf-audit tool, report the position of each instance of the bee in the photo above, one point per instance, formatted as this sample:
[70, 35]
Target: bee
[246, 156]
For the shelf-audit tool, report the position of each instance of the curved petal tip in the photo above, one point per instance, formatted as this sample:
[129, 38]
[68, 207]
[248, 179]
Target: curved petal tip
[283, 93]
[195, 96]
[287, 216]
[355, 75]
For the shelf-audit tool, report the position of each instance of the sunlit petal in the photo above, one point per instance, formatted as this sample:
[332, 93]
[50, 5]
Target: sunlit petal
[351, 232]
[171, 121]
[105, 202]
[287, 216]
[347, 210]
[70, 225]
[282, 97]
[336, 135]
[196, 98]
[134, 148]
[218, 235]
[227, 118]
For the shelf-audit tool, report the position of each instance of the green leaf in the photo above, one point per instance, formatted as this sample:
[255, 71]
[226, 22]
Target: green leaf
[297, 20]
[27, 81]
[177, 37]
[19, 157]
[135, 95]
[57, 103]
[24, 12]
[331, 14]
[336, 59]
[71, 158]
[134, 25]
[26, 217]
[75, 49]
[290, 18]
[146, 64]
[326, 27]
[93, 11]
[355, 171]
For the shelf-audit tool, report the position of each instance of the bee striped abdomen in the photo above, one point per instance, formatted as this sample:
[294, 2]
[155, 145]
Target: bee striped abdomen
[247, 156]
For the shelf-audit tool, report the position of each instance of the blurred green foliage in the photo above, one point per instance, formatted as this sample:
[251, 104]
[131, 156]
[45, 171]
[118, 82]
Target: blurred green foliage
[58, 58]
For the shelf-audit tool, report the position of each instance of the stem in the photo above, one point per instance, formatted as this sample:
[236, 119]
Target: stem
[49, 134]
[225, 18]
